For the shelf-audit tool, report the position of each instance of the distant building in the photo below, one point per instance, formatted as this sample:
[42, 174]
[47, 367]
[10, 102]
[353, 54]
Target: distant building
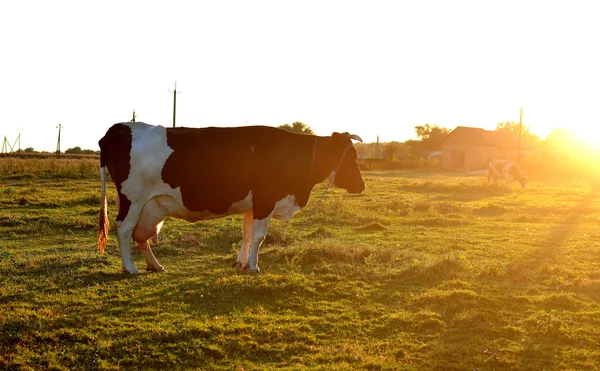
[471, 149]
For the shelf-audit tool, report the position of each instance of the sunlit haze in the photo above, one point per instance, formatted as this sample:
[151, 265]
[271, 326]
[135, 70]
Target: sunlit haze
[370, 68]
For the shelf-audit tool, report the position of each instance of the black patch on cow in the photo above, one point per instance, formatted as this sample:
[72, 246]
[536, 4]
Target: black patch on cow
[499, 165]
[115, 152]
[216, 167]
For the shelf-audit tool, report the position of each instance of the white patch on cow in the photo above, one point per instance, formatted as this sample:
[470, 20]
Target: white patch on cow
[177, 210]
[331, 177]
[241, 206]
[161, 206]
[286, 208]
[149, 152]
[259, 231]
[242, 258]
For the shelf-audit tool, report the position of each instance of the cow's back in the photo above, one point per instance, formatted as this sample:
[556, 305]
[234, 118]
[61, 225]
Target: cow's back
[215, 167]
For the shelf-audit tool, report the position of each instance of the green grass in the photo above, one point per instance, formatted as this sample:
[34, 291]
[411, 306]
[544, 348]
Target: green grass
[421, 271]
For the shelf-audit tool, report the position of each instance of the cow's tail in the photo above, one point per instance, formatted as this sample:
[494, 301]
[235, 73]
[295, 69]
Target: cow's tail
[103, 213]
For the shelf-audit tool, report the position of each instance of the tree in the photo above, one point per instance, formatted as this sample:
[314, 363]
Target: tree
[431, 132]
[74, 151]
[415, 148]
[29, 149]
[431, 136]
[79, 151]
[513, 128]
[297, 127]
[394, 150]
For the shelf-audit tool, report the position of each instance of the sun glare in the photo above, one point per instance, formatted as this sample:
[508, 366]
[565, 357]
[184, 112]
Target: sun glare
[587, 137]
[579, 142]
[590, 136]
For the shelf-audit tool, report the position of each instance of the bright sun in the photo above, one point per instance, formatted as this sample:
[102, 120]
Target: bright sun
[572, 124]
[577, 140]
[589, 136]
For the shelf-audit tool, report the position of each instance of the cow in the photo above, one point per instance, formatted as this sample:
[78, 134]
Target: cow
[198, 174]
[507, 169]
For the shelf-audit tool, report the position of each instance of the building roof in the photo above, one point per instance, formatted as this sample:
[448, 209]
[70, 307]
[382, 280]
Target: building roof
[464, 135]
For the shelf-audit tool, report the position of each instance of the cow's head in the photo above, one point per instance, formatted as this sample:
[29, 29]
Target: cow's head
[348, 174]
[524, 180]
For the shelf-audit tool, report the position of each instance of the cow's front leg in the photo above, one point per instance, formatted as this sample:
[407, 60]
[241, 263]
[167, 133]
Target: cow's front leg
[151, 263]
[509, 180]
[242, 260]
[259, 231]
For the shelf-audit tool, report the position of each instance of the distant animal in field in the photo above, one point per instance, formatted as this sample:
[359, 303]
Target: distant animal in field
[508, 170]
[207, 173]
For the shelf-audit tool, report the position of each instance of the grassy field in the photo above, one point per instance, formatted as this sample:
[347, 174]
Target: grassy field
[421, 271]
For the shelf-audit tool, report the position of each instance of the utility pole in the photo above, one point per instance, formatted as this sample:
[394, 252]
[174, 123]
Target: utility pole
[174, 101]
[58, 143]
[520, 132]
[7, 148]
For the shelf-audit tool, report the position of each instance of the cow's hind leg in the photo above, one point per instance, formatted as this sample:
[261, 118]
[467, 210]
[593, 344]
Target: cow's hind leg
[242, 259]
[151, 263]
[124, 233]
[127, 216]
[148, 225]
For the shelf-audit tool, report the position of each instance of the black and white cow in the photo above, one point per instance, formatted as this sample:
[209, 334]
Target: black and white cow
[198, 174]
[507, 169]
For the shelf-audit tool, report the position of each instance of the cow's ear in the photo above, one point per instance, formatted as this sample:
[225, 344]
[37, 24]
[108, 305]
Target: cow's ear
[337, 137]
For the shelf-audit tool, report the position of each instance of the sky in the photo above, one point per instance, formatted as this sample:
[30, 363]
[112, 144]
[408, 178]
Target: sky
[366, 67]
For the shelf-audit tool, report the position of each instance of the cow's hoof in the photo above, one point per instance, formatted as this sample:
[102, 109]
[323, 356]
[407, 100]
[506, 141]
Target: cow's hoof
[252, 270]
[133, 271]
[241, 267]
[158, 269]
